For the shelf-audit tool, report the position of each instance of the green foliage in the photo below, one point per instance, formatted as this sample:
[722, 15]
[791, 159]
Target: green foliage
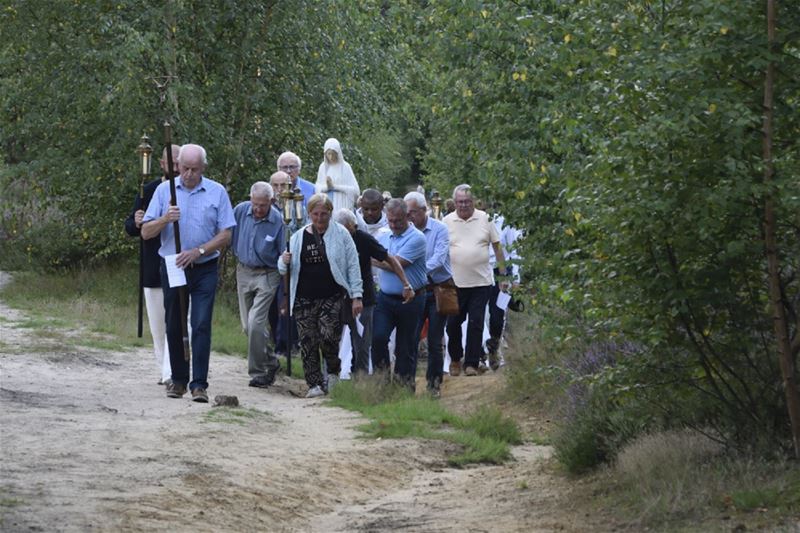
[246, 79]
[625, 140]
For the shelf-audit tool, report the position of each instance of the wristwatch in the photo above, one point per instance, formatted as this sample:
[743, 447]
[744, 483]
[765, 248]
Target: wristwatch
[202, 251]
[408, 287]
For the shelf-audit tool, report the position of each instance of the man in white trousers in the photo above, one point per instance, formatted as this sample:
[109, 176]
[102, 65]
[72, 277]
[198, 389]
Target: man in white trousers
[153, 294]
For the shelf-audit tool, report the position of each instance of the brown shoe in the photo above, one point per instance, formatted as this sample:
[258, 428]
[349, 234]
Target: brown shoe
[470, 371]
[175, 391]
[455, 368]
[199, 395]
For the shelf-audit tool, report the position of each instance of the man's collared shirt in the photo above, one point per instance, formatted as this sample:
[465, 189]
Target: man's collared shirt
[469, 248]
[205, 211]
[410, 245]
[307, 188]
[437, 251]
[257, 243]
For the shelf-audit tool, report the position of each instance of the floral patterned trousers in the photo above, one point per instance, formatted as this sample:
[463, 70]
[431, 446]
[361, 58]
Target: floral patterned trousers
[319, 327]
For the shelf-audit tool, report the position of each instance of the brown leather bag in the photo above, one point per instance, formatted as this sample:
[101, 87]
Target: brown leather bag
[446, 295]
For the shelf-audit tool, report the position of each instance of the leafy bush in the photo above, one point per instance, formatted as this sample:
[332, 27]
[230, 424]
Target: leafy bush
[626, 142]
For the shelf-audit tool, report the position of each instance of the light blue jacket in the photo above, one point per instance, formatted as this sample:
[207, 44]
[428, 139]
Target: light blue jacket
[342, 258]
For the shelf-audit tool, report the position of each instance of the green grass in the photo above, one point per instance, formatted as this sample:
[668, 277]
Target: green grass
[236, 415]
[10, 502]
[104, 300]
[394, 413]
[41, 323]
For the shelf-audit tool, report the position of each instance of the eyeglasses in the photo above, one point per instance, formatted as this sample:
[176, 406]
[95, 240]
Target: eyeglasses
[464, 202]
[285, 168]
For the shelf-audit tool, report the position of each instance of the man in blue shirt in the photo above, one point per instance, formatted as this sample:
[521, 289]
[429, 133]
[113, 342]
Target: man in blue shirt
[290, 163]
[205, 216]
[257, 242]
[407, 244]
[437, 263]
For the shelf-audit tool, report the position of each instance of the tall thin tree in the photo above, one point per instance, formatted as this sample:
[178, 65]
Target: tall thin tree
[779, 317]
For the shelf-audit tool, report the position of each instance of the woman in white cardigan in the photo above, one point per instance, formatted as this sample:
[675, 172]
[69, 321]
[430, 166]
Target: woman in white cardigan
[335, 177]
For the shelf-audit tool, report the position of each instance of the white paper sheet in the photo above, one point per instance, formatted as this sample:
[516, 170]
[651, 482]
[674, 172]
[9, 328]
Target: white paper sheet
[502, 300]
[176, 275]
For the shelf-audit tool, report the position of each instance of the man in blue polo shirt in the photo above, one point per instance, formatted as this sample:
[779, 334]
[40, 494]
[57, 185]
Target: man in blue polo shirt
[407, 244]
[205, 217]
[437, 263]
[257, 242]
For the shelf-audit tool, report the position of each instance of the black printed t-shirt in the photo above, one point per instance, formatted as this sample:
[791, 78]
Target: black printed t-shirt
[316, 281]
[368, 248]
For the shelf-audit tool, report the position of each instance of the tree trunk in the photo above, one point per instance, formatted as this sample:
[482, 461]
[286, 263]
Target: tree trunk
[779, 317]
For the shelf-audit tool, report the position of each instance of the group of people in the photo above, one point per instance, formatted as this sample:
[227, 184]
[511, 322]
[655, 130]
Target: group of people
[355, 260]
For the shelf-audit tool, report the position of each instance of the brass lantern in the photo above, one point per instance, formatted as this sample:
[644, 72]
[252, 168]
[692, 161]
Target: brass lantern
[145, 152]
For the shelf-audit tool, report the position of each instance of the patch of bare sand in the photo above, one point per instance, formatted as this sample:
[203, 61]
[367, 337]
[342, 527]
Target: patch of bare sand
[89, 442]
[524, 495]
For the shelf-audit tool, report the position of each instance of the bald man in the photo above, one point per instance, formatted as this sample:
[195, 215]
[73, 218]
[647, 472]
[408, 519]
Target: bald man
[205, 215]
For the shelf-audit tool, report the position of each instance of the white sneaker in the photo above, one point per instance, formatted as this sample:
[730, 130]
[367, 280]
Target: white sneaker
[315, 392]
[333, 380]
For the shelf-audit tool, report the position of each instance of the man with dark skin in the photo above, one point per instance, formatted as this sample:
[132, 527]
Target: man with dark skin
[370, 215]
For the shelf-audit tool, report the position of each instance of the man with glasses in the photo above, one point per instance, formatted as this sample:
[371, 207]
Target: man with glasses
[437, 263]
[290, 163]
[471, 233]
[280, 182]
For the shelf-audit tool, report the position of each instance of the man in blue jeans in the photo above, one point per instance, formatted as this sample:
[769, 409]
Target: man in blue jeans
[407, 244]
[205, 218]
[437, 264]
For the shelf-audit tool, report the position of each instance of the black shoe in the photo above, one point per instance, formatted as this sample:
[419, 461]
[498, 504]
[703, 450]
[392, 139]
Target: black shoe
[175, 391]
[494, 360]
[270, 377]
[260, 382]
[435, 388]
[199, 395]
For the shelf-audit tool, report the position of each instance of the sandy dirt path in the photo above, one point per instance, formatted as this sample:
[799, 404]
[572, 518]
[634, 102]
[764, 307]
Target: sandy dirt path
[89, 442]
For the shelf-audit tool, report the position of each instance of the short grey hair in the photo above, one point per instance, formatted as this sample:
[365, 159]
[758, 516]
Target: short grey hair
[261, 189]
[194, 147]
[286, 155]
[396, 204]
[462, 188]
[345, 217]
[417, 197]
